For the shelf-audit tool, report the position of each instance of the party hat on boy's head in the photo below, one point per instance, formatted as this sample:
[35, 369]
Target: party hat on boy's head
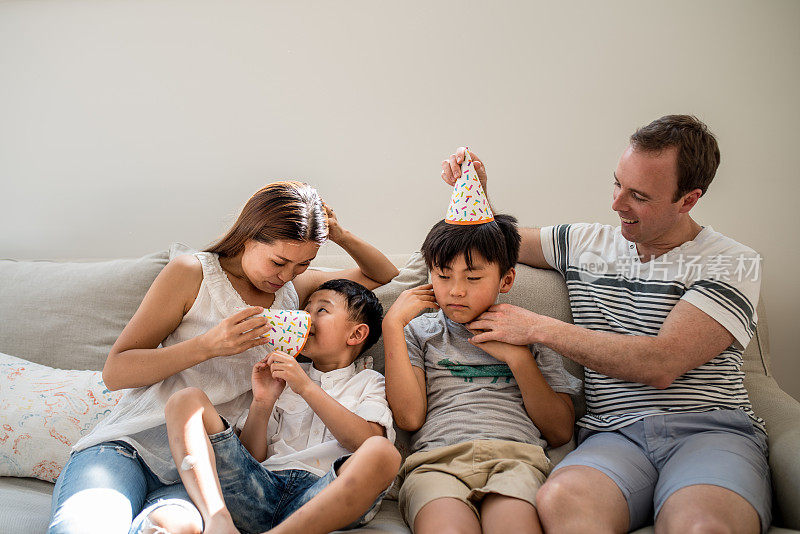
[469, 204]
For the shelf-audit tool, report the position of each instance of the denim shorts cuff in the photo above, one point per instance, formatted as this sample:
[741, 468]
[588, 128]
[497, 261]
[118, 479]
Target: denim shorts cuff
[225, 434]
[338, 463]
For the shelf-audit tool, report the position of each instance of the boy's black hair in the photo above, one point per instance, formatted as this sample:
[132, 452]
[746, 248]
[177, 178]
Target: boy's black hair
[363, 305]
[496, 242]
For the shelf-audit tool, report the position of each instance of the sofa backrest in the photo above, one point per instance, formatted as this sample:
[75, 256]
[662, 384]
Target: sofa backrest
[68, 314]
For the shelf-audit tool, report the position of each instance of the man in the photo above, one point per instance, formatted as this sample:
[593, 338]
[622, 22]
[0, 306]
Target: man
[663, 309]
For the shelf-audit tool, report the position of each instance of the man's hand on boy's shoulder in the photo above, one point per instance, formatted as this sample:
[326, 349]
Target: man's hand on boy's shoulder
[286, 368]
[508, 323]
[408, 305]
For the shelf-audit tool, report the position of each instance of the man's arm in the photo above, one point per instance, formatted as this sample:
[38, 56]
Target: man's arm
[688, 338]
[530, 248]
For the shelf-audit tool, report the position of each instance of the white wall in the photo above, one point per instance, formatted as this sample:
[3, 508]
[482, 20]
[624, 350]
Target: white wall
[126, 125]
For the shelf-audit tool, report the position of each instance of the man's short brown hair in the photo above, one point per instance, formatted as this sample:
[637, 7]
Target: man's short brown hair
[698, 153]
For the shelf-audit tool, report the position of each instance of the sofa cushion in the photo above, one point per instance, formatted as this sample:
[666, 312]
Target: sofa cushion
[43, 412]
[24, 505]
[69, 314]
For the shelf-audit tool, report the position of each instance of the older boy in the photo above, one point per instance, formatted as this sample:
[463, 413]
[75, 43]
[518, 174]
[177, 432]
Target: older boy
[481, 414]
[291, 469]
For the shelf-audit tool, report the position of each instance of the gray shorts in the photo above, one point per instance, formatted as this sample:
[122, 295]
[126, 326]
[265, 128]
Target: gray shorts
[653, 458]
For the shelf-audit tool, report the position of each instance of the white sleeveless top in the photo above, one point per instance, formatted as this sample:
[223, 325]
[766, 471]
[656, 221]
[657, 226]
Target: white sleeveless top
[138, 419]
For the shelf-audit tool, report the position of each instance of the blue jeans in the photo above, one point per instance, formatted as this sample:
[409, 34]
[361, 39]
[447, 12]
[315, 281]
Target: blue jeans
[108, 489]
[259, 499]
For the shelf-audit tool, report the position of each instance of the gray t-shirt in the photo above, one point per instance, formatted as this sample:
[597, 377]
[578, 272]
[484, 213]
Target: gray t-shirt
[471, 395]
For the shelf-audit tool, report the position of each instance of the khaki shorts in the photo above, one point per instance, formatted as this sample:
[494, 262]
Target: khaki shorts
[469, 471]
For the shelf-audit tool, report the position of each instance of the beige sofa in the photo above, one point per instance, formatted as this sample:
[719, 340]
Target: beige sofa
[67, 315]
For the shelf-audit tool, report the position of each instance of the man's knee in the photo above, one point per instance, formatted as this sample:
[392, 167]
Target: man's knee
[707, 508]
[582, 494]
[560, 491]
[172, 520]
[690, 522]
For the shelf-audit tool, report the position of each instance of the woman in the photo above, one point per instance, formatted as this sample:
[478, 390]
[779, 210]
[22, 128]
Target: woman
[196, 327]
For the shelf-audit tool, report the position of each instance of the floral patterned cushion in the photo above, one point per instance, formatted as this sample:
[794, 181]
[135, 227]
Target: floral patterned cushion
[43, 411]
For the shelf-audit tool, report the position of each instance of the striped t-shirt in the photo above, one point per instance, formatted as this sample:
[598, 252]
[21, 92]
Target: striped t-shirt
[610, 290]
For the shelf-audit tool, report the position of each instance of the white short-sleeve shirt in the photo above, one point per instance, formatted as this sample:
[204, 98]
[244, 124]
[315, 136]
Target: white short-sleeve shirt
[298, 439]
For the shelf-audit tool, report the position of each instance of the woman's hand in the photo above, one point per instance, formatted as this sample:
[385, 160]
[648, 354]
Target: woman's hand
[236, 334]
[409, 304]
[266, 388]
[286, 368]
[335, 231]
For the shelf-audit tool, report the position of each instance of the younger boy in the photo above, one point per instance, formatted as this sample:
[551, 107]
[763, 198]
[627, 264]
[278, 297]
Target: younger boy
[291, 468]
[481, 414]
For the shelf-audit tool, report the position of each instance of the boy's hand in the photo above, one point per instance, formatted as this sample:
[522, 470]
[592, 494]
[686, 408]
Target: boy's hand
[286, 368]
[266, 389]
[451, 167]
[409, 304]
[335, 231]
[504, 352]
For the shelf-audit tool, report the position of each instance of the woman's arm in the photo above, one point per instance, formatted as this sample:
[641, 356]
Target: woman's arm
[374, 268]
[135, 359]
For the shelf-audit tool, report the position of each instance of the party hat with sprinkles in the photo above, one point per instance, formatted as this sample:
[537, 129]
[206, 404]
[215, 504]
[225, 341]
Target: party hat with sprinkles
[469, 204]
[288, 330]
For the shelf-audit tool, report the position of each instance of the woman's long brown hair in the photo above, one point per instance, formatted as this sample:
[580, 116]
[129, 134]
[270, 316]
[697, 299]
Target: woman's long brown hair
[281, 210]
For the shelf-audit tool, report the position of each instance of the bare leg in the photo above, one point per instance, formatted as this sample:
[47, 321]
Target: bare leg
[359, 481]
[172, 519]
[706, 508]
[582, 499]
[190, 419]
[500, 513]
[446, 515]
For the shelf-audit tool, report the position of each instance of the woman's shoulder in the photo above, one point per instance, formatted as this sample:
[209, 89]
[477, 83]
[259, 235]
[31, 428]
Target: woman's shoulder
[183, 275]
[185, 265]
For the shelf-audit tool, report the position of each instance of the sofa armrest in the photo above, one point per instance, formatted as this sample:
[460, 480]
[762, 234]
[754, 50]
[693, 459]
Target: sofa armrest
[782, 415]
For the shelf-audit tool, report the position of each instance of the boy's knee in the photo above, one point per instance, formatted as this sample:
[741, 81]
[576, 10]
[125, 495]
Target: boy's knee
[385, 455]
[190, 396]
